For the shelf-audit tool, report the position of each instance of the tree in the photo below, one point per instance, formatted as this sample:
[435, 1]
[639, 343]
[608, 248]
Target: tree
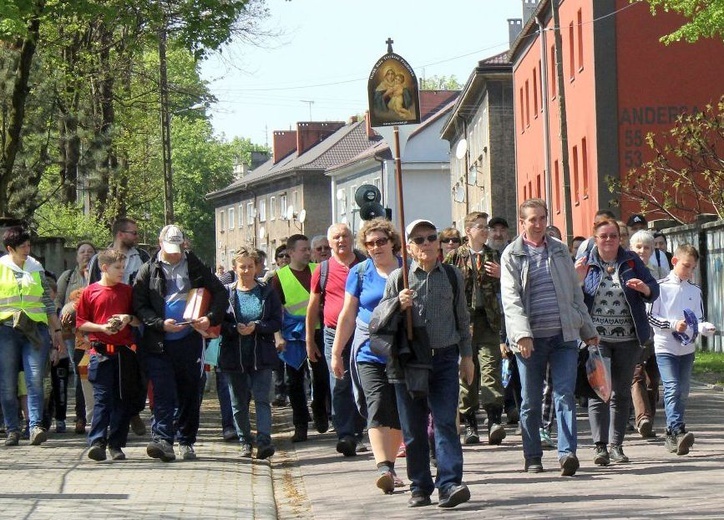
[686, 177]
[440, 83]
[706, 18]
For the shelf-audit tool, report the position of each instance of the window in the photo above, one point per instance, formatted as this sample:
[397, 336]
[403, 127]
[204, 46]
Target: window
[283, 206]
[556, 187]
[378, 183]
[535, 93]
[232, 218]
[571, 52]
[527, 105]
[262, 210]
[576, 185]
[352, 203]
[540, 82]
[222, 215]
[295, 200]
[522, 113]
[241, 215]
[537, 186]
[272, 208]
[250, 213]
[580, 40]
[554, 75]
[584, 167]
[525, 193]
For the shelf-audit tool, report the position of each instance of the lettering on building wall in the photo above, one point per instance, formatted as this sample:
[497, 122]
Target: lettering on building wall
[639, 122]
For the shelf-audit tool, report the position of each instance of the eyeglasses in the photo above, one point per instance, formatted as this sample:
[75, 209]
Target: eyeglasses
[451, 239]
[479, 226]
[134, 233]
[604, 236]
[322, 248]
[283, 255]
[378, 242]
[421, 240]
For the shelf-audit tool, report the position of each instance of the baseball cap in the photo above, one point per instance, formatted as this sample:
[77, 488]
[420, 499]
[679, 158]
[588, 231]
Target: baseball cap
[495, 221]
[171, 238]
[412, 225]
[636, 219]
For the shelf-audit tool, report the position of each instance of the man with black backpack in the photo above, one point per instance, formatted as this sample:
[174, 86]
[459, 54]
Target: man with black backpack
[327, 297]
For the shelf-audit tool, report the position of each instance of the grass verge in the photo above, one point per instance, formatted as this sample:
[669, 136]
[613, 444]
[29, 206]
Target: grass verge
[709, 367]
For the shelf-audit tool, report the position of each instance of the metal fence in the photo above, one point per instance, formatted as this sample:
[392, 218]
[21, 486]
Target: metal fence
[708, 238]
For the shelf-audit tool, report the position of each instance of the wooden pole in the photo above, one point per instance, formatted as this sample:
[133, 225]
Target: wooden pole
[401, 217]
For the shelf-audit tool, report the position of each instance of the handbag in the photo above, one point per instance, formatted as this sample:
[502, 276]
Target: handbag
[28, 328]
[599, 377]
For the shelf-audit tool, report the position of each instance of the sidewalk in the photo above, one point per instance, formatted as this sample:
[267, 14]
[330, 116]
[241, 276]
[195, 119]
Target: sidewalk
[656, 484]
[58, 480]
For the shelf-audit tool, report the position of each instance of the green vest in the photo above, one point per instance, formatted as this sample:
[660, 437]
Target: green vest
[296, 297]
[26, 297]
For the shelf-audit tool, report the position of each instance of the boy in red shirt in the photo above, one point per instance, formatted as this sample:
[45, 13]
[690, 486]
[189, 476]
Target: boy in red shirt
[104, 312]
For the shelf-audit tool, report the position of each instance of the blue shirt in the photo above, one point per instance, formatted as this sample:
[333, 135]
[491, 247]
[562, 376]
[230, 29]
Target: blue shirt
[369, 293]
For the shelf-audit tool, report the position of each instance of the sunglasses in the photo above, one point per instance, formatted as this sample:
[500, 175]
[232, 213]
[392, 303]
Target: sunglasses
[379, 242]
[421, 240]
[322, 248]
[447, 240]
[604, 236]
[283, 256]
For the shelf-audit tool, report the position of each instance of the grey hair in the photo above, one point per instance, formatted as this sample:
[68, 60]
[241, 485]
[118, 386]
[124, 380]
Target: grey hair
[642, 237]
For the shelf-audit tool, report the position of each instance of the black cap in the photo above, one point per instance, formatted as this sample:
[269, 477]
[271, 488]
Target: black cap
[495, 221]
[636, 219]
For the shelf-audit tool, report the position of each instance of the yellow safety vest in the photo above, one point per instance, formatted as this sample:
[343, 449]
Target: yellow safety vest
[26, 296]
[296, 297]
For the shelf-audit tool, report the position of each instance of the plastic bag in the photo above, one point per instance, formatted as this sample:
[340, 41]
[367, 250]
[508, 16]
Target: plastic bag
[506, 371]
[598, 374]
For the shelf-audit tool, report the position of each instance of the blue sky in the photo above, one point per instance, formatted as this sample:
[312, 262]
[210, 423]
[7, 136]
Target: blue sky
[325, 51]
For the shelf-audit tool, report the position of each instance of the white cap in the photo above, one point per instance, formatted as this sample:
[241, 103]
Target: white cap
[412, 225]
[171, 238]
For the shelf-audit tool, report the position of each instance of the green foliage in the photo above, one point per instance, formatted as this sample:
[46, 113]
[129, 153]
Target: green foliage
[706, 18]
[686, 177]
[440, 83]
[57, 220]
[709, 367]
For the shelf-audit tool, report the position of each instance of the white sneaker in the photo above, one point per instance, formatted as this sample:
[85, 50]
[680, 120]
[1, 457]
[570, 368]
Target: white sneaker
[187, 452]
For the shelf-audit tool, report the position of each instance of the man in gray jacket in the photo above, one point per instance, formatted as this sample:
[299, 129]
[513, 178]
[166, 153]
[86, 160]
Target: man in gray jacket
[545, 316]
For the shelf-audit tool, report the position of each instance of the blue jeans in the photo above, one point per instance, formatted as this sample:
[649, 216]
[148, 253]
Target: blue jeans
[222, 392]
[110, 413]
[176, 375]
[240, 385]
[563, 359]
[676, 375]
[18, 354]
[442, 401]
[345, 417]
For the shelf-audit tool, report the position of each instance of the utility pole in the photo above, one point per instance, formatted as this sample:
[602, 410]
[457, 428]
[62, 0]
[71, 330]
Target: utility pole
[310, 103]
[563, 122]
[165, 123]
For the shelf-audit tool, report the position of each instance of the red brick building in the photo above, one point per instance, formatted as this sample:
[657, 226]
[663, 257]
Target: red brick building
[620, 83]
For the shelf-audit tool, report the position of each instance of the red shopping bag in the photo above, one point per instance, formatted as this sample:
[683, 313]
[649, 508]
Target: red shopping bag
[598, 374]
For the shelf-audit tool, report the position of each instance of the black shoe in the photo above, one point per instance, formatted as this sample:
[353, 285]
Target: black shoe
[321, 423]
[601, 456]
[279, 402]
[161, 450]
[264, 452]
[116, 454]
[569, 465]
[471, 429]
[138, 426]
[347, 446]
[97, 451]
[300, 434]
[419, 499]
[386, 482]
[454, 496]
[684, 441]
[513, 415]
[616, 454]
[646, 428]
[533, 465]
[496, 434]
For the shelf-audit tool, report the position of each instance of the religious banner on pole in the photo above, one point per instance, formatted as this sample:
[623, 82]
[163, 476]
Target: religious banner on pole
[393, 92]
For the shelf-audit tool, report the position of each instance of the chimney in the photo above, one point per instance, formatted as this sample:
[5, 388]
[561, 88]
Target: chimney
[371, 134]
[529, 7]
[515, 25]
[311, 133]
[284, 143]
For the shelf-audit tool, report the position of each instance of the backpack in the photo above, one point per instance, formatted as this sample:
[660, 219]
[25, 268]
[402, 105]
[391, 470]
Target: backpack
[324, 272]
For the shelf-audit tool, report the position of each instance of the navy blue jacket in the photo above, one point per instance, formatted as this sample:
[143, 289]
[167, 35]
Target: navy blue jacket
[629, 266]
[232, 357]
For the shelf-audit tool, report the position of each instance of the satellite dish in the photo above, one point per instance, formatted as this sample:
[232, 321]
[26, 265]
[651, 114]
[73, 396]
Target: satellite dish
[340, 194]
[372, 210]
[302, 215]
[289, 215]
[461, 148]
[262, 233]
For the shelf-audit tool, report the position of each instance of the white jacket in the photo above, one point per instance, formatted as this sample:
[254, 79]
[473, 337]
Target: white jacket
[675, 296]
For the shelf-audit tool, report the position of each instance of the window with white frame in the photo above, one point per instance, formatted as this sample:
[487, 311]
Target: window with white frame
[262, 210]
[249, 213]
[283, 206]
[222, 215]
[232, 218]
[241, 215]
[272, 208]
[352, 202]
[295, 200]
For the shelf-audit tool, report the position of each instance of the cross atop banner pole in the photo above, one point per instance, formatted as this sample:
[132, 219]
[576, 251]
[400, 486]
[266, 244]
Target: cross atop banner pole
[394, 101]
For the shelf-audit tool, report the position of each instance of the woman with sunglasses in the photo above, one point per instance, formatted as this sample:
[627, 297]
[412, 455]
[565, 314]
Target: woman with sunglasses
[616, 286]
[449, 241]
[365, 286]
